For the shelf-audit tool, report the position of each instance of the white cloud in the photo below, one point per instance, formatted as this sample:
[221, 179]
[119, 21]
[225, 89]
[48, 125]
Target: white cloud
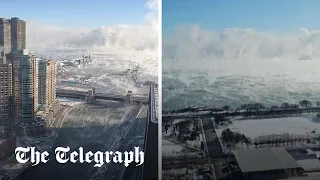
[122, 36]
[152, 4]
[192, 43]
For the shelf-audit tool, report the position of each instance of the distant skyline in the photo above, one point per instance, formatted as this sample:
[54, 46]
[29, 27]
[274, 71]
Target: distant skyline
[75, 13]
[280, 16]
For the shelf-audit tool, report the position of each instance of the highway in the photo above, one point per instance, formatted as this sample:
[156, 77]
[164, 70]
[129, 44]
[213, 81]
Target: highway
[150, 167]
[116, 171]
[133, 172]
[113, 168]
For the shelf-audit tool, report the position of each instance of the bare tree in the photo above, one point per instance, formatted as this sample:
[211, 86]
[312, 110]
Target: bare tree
[285, 105]
[305, 104]
[226, 108]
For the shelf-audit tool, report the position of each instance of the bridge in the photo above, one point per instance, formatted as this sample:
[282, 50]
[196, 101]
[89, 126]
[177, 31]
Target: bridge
[150, 169]
[91, 96]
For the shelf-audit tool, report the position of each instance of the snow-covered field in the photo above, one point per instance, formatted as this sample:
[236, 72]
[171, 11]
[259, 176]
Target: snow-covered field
[259, 127]
[171, 149]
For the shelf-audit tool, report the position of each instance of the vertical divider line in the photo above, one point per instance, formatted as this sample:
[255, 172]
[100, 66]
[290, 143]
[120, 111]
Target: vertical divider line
[160, 89]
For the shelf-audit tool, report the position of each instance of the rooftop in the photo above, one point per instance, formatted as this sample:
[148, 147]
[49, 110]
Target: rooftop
[310, 164]
[264, 159]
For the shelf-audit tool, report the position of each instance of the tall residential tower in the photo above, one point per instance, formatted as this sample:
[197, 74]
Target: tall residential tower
[5, 38]
[18, 34]
[47, 82]
[5, 100]
[25, 84]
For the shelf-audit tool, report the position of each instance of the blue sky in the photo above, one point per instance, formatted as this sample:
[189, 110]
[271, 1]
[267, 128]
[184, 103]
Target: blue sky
[277, 16]
[77, 13]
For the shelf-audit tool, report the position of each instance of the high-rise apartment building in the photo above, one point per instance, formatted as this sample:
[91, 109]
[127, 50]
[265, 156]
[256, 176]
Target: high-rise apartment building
[52, 81]
[18, 34]
[14, 59]
[5, 100]
[47, 82]
[25, 84]
[5, 38]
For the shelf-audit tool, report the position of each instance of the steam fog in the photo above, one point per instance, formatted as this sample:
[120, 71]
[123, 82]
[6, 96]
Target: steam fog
[238, 66]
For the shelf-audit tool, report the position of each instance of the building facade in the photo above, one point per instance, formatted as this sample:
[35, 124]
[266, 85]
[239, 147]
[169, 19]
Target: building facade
[18, 34]
[25, 84]
[5, 100]
[52, 81]
[43, 82]
[5, 38]
[47, 82]
[29, 86]
[14, 59]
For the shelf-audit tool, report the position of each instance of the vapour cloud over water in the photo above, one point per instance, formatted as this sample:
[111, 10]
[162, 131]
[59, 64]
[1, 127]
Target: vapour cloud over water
[140, 37]
[114, 50]
[192, 43]
[237, 66]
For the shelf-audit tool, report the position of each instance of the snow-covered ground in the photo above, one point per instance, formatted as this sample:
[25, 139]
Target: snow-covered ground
[184, 173]
[288, 132]
[173, 147]
[170, 148]
[292, 125]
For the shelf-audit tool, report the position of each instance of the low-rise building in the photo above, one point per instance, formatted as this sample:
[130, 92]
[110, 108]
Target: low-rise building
[267, 163]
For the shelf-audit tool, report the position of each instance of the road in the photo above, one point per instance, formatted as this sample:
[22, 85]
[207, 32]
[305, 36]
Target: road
[93, 127]
[61, 111]
[214, 147]
[212, 139]
[150, 167]
[134, 172]
[116, 171]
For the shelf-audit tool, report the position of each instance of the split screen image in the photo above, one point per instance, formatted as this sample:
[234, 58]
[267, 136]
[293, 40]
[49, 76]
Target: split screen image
[160, 89]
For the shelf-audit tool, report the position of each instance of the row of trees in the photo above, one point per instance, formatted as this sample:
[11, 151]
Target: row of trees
[285, 139]
[184, 130]
[249, 107]
[231, 139]
[221, 120]
[260, 106]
